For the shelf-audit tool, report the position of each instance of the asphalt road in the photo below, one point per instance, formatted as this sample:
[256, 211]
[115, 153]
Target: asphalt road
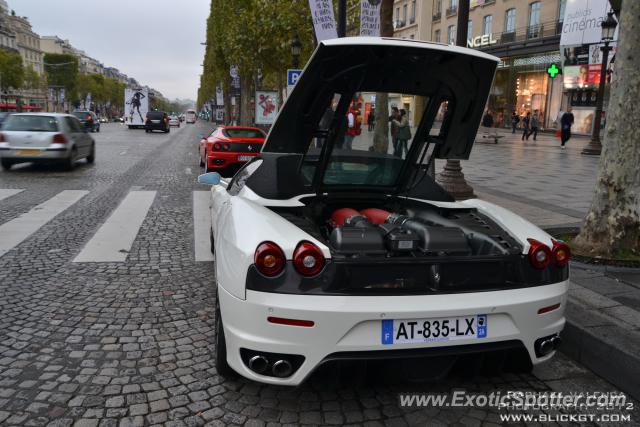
[106, 317]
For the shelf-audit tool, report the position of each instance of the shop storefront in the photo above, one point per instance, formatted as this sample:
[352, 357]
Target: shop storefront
[522, 85]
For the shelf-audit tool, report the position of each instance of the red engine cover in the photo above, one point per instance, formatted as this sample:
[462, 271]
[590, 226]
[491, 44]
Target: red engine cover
[339, 216]
[375, 215]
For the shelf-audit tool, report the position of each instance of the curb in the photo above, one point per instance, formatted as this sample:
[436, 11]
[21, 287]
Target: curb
[605, 348]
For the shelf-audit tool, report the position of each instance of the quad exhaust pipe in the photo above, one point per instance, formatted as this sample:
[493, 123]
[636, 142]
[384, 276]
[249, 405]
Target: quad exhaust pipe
[547, 345]
[281, 368]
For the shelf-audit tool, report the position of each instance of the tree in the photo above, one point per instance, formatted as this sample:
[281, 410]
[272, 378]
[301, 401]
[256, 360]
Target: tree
[32, 80]
[62, 70]
[612, 225]
[11, 70]
[381, 132]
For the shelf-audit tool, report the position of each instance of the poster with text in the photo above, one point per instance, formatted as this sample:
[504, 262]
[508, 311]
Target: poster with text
[370, 18]
[324, 21]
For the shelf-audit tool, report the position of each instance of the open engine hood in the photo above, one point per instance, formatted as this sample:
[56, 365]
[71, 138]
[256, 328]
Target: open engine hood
[349, 65]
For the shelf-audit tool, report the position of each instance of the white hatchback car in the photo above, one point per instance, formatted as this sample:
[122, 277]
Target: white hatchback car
[336, 243]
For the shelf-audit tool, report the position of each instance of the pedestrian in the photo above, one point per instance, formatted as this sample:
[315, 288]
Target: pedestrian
[393, 118]
[515, 119]
[487, 119]
[371, 119]
[352, 129]
[404, 134]
[566, 122]
[526, 121]
[559, 118]
[535, 124]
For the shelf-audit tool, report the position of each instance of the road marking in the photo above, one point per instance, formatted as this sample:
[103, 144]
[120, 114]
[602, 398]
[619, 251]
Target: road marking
[8, 192]
[202, 225]
[17, 230]
[113, 240]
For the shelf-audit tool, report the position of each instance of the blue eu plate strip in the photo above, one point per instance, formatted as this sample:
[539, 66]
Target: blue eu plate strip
[482, 325]
[387, 332]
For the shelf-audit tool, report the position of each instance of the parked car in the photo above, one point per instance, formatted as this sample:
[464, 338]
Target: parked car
[89, 120]
[118, 120]
[157, 120]
[3, 117]
[174, 121]
[181, 117]
[104, 120]
[45, 138]
[328, 250]
[230, 147]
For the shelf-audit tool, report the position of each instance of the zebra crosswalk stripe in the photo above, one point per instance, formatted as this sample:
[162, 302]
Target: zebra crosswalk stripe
[14, 232]
[113, 240]
[8, 192]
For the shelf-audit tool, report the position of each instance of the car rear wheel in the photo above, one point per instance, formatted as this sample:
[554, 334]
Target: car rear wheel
[222, 366]
[6, 164]
[70, 162]
[91, 158]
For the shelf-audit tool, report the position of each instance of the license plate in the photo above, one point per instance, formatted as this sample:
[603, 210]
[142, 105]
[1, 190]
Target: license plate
[433, 330]
[244, 158]
[155, 121]
[28, 152]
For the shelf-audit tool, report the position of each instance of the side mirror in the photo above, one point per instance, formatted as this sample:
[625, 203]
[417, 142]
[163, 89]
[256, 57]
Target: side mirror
[210, 178]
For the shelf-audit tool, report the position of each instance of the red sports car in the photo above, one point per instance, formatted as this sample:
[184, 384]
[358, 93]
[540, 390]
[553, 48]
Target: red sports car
[230, 147]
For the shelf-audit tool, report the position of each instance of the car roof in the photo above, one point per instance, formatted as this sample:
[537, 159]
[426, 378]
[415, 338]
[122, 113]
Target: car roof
[43, 114]
[240, 127]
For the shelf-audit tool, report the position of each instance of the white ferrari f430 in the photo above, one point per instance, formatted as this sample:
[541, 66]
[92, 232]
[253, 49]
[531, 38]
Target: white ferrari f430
[336, 243]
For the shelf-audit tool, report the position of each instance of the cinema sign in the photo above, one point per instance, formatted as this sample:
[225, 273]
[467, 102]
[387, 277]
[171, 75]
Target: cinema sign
[480, 41]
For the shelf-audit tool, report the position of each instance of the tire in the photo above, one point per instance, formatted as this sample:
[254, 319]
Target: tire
[98, 130]
[222, 366]
[168, 130]
[71, 161]
[147, 130]
[201, 163]
[91, 158]
[6, 164]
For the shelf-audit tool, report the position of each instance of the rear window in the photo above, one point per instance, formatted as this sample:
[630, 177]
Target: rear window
[31, 123]
[81, 115]
[155, 115]
[242, 133]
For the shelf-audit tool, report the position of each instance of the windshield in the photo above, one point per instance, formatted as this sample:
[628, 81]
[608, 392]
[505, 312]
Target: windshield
[242, 133]
[31, 123]
[81, 114]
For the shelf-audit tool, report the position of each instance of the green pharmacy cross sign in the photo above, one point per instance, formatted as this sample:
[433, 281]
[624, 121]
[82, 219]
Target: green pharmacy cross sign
[553, 70]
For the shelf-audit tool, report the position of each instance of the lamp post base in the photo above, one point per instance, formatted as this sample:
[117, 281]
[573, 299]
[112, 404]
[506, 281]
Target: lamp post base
[593, 148]
[452, 180]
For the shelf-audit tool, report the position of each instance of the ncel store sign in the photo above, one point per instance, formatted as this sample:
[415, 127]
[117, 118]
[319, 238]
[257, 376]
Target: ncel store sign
[480, 41]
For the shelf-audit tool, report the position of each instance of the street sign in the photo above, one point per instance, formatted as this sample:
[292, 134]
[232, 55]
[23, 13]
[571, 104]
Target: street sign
[292, 77]
[553, 70]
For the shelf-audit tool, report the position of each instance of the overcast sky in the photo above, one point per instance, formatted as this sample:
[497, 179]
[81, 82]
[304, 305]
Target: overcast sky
[155, 41]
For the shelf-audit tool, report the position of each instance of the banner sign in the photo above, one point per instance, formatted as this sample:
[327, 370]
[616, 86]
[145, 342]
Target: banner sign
[582, 19]
[219, 96]
[61, 96]
[136, 106]
[235, 81]
[219, 114]
[370, 18]
[324, 22]
[266, 106]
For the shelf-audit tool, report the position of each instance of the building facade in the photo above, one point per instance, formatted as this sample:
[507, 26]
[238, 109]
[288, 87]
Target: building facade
[28, 43]
[525, 35]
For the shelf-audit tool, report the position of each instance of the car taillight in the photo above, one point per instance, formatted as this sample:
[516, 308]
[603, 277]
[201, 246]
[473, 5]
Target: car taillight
[2, 139]
[226, 147]
[539, 254]
[561, 253]
[217, 146]
[59, 139]
[89, 118]
[269, 259]
[308, 259]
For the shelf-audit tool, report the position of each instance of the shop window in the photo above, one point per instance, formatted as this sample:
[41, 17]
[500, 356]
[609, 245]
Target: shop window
[487, 24]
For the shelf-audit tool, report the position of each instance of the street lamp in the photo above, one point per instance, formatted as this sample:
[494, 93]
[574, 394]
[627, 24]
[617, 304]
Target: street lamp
[296, 47]
[608, 29]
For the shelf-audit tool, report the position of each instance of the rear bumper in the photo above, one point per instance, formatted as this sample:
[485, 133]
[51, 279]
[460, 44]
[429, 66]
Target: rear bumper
[222, 160]
[156, 126]
[45, 154]
[350, 326]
